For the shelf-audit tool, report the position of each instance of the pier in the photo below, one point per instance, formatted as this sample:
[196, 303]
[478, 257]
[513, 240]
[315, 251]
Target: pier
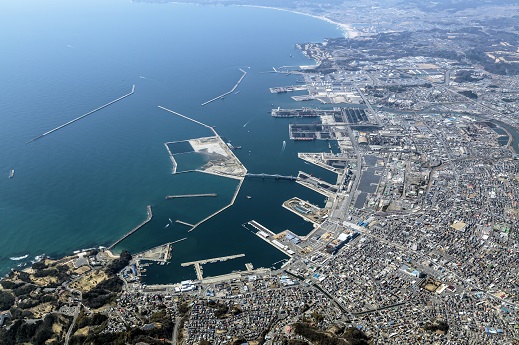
[198, 264]
[228, 92]
[318, 185]
[269, 237]
[150, 215]
[82, 116]
[272, 176]
[190, 195]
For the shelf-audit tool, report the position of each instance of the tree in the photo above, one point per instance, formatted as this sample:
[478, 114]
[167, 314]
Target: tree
[6, 300]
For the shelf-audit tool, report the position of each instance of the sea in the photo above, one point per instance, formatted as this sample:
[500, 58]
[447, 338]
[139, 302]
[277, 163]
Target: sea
[89, 183]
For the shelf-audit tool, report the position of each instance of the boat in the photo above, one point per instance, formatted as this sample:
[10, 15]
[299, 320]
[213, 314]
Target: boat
[237, 92]
[166, 225]
[11, 173]
[249, 197]
[170, 221]
[237, 147]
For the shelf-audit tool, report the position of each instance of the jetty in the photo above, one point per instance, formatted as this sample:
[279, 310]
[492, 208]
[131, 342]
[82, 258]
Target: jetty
[190, 195]
[148, 218]
[184, 223]
[198, 264]
[82, 116]
[229, 92]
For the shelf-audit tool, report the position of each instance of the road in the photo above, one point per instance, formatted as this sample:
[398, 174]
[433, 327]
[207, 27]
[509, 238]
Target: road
[175, 330]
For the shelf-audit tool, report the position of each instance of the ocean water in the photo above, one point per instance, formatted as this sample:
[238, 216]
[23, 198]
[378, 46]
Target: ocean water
[89, 183]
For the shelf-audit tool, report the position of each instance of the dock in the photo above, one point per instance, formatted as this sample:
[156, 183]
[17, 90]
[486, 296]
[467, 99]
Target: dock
[198, 264]
[316, 184]
[260, 227]
[305, 112]
[148, 218]
[269, 237]
[190, 195]
[82, 116]
[228, 92]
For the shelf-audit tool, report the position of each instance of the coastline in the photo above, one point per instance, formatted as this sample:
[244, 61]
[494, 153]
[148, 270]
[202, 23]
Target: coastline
[347, 30]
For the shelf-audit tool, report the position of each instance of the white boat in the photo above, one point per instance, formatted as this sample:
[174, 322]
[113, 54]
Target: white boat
[166, 225]
[11, 173]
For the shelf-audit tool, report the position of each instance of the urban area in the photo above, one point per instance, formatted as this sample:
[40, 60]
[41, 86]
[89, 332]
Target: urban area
[417, 243]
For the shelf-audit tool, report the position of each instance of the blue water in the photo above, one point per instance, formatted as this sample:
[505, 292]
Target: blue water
[89, 183]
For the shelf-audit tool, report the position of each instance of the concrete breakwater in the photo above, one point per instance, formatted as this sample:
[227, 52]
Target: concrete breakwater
[228, 92]
[148, 218]
[82, 116]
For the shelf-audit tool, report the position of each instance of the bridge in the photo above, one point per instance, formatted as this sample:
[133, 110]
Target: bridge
[272, 176]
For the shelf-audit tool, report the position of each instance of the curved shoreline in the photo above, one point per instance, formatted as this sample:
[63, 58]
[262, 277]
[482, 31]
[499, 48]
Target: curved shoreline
[347, 29]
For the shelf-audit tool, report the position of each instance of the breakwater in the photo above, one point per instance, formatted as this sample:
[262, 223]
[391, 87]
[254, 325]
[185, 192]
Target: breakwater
[148, 218]
[190, 195]
[228, 92]
[82, 116]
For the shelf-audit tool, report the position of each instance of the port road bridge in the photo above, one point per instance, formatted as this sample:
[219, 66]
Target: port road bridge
[272, 176]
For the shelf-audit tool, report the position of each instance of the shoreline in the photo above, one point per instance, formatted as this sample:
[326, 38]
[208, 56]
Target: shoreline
[347, 30]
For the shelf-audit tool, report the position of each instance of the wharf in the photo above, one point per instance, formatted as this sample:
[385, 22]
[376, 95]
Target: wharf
[317, 185]
[291, 88]
[212, 260]
[198, 264]
[148, 218]
[265, 234]
[228, 92]
[82, 116]
[190, 195]
[318, 159]
[304, 112]
[260, 227]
